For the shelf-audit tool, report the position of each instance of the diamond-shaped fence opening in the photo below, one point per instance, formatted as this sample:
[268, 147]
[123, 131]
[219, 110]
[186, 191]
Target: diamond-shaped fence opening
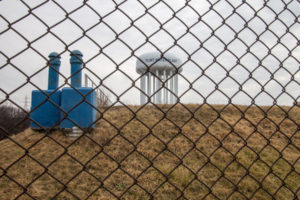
[164, 100]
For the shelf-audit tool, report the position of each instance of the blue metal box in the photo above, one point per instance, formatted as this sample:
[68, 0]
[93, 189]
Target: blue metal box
[43, 111]
[79, 108]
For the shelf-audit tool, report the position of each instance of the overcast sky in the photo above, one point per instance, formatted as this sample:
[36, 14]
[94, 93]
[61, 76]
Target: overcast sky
[261, 41]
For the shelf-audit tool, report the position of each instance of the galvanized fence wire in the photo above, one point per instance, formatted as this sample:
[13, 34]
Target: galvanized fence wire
[292, 138]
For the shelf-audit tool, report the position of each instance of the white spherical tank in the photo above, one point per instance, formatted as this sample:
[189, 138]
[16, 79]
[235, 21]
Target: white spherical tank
[159, 81]
[155, 61]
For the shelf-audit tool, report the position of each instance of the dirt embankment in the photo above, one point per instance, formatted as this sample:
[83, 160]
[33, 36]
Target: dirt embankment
[211, 151]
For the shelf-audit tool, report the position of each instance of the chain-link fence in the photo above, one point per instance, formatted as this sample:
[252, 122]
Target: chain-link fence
[230, 132]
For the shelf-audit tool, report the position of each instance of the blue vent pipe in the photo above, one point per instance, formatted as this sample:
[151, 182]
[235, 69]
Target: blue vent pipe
[54, 61]
[78, 103]
[76, 65]
[45, 112]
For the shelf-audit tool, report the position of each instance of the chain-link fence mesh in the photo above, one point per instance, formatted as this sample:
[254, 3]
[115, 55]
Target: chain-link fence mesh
[232, 134]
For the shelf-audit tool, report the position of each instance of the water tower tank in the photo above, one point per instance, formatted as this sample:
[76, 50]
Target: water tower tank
[159, 81]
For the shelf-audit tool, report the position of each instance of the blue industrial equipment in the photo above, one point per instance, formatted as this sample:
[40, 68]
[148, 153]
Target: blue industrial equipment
[45, 111]
[78, 103]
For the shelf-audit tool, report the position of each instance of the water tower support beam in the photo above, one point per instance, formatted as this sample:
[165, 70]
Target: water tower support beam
[172, 88]
[143, 88]
[149, 87]
[165, 88]
[154, 88]
[158, 87]
[176, 87]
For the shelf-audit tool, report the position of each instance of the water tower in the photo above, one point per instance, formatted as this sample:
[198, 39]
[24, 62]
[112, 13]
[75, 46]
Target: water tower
[159, 77]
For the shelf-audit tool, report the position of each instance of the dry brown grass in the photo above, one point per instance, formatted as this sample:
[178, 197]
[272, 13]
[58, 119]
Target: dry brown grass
[191, 152]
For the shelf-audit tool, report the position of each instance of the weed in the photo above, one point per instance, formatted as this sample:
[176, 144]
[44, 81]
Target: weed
[152, 157]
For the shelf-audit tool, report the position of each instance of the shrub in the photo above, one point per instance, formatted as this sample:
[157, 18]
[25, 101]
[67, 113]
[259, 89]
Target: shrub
[13, 120]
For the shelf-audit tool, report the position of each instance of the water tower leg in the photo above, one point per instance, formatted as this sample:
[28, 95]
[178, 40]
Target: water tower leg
[158, 86]
[154, 89]
[165, 88]
[176, 87]
[143, 88]
[149, 87]
[172, 89]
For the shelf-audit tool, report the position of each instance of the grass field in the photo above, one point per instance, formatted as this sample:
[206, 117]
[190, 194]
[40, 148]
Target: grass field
[191, 152]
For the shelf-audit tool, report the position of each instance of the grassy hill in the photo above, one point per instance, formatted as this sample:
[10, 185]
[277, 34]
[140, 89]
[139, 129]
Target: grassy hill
[191, 152]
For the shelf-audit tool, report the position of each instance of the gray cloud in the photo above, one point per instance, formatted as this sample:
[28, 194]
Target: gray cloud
[248, 50]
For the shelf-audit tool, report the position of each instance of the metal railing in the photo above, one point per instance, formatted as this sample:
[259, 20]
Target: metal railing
[232, 134]
[102, 99]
